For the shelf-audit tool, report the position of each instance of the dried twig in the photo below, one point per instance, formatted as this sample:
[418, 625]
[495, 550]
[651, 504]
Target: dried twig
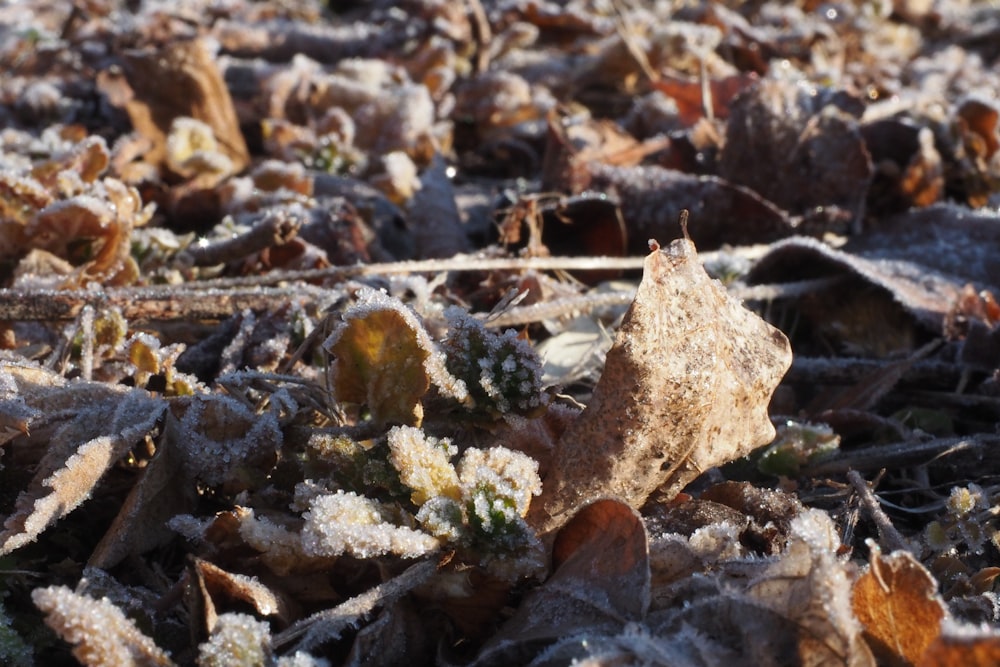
[887, 532]
[272, 230]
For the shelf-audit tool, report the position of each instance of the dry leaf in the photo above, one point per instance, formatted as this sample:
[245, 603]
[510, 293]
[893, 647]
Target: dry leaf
[227, 586]
[685, 388]
[158, 496]
[897, 602]
[792, 608]
[959, 646]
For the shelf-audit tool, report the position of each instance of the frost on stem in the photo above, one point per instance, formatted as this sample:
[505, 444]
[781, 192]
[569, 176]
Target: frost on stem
[100, 632]
[502, 372]
[237, 639]
[348, 523]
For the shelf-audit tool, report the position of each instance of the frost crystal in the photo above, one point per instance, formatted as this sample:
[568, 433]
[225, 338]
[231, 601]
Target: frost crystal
[423, 463]
[238, 639]
[348, 523]
[503, 373]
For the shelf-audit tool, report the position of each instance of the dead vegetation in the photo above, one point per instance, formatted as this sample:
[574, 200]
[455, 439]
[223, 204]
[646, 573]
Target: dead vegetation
[261, 401]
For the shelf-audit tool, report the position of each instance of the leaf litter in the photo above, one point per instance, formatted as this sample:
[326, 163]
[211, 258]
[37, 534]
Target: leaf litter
[259, 398]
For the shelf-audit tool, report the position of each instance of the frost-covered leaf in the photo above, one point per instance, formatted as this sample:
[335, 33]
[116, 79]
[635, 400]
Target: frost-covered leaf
[237, 639]
[685, 388]
[232, 586]
[101, 634]
[600, 584]
[792, 608]
[502, 372]
[225, 442]
[328, 625]
[897, 602]
[107, 421]
[383, 358]
[423, 463]
[348, 523]
[962, 646]
[182, 79]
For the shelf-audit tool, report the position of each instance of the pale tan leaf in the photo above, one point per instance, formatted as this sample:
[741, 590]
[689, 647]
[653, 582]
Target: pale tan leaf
[101, 634]
[79, 454]
[685, 388]
[229, 585]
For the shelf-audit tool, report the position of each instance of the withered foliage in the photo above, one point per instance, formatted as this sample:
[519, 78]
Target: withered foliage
[335, 333]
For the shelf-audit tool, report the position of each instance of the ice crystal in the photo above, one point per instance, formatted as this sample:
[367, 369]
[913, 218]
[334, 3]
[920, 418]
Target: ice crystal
[423, 463]
[345, 522]
[443, 518]
[502, 372]
[237, 639]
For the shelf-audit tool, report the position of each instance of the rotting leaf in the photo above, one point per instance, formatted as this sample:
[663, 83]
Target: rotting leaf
[685, 388]
[896, 600]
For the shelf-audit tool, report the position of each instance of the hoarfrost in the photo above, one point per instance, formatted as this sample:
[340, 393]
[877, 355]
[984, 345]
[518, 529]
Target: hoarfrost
[509, 475]
[348, 523]
[503, 371]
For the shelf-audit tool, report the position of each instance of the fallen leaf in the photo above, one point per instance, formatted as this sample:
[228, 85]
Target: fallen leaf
[897, 602]
[228, 586]
[809, 137]
[182, 80]
[158, 496]
[685, 388]
[962, 646]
